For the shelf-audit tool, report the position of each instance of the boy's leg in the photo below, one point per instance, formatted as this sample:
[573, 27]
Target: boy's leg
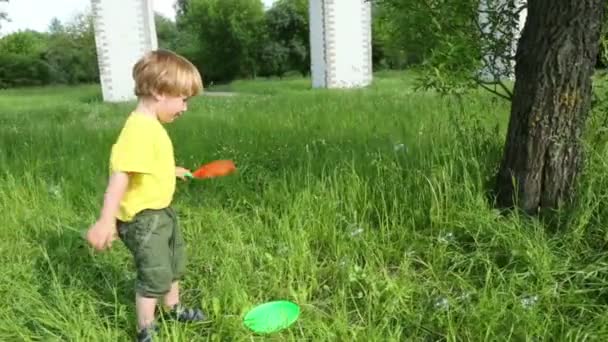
[145, 307]
[172, 298]
[178, 262]
[178, 311]
[147, 238]
[177, 246]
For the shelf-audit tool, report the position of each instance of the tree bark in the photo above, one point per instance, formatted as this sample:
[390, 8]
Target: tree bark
[555, 61]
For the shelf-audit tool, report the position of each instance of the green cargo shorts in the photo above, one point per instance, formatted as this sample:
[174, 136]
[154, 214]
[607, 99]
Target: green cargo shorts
[155, 240]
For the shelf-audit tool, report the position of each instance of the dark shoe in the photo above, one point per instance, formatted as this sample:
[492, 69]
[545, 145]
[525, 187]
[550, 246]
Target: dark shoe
[186, 315]
[146, 334]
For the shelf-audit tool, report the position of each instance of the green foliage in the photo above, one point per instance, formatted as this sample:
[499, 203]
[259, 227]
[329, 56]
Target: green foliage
[66, 54]
[388, 49]
[441, 35]
[20, 59]
[18, 70]
[229, 36]
[274, 59]
[26, 43]
[286, 40]
[71, 51]
[457, 44]
[167, 33]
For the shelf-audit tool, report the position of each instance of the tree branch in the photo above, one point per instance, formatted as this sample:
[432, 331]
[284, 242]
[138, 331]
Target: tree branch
[505, 89]
[484, 85]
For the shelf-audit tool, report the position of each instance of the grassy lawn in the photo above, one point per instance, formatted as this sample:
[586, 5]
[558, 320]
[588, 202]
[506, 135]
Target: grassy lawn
[367, 207]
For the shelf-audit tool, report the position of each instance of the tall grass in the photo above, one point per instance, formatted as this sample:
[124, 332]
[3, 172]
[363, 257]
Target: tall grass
[368, 208]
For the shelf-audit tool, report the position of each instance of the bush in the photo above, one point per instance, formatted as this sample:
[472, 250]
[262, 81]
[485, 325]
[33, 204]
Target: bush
[22, 70]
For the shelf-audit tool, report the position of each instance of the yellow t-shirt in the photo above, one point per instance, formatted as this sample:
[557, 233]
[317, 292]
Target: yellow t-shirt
[144, 150]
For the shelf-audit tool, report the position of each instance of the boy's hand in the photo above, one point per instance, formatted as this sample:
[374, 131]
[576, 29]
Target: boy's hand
[101, 234]
[181, 172]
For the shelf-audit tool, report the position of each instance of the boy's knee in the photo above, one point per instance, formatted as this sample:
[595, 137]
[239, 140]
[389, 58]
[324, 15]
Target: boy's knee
[154, 282]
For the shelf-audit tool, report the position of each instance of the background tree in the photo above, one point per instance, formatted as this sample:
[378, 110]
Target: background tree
[551, 99]
[228, 34]
[20, 59]
[71, 52]
[440, 35]
[167, 33]
[555, 60]
[273, 58]
[286, 42]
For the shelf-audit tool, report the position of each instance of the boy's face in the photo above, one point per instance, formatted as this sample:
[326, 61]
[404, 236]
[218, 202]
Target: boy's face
[171, 107]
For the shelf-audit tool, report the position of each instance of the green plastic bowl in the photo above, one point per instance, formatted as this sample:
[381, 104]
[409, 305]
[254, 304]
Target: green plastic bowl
[272, 316]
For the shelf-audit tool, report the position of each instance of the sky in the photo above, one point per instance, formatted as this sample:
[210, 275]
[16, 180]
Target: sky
[37, 14]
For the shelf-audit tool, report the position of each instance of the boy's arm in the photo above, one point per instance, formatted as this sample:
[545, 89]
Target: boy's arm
[117, 186]
[103, 232]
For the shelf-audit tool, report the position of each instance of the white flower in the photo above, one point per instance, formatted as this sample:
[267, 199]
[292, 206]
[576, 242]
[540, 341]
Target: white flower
[529, 301]
[442, 303]
[400, 147]
[357, 231]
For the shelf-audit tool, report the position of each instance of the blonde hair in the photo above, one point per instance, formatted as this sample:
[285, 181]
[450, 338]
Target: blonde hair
[163, 72]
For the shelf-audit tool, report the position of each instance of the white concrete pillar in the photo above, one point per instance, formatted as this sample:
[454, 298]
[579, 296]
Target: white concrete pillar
[340, 43]
[504, 69]
[124, 31]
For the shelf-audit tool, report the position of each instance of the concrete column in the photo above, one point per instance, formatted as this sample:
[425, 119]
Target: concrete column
[124, 31]
[340, 43]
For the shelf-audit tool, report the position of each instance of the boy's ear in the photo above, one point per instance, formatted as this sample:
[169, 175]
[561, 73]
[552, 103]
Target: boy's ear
[158, 97]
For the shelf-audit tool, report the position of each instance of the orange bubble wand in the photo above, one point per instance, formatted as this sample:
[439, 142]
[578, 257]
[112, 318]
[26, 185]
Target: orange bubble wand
[217, 168]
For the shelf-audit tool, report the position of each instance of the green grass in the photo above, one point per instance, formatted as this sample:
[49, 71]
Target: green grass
[366, 207]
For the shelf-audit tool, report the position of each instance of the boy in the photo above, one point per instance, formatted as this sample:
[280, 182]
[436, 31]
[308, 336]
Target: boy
[138, 197]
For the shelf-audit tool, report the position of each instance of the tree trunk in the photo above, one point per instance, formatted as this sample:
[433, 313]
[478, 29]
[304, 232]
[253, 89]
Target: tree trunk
[555, 61]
